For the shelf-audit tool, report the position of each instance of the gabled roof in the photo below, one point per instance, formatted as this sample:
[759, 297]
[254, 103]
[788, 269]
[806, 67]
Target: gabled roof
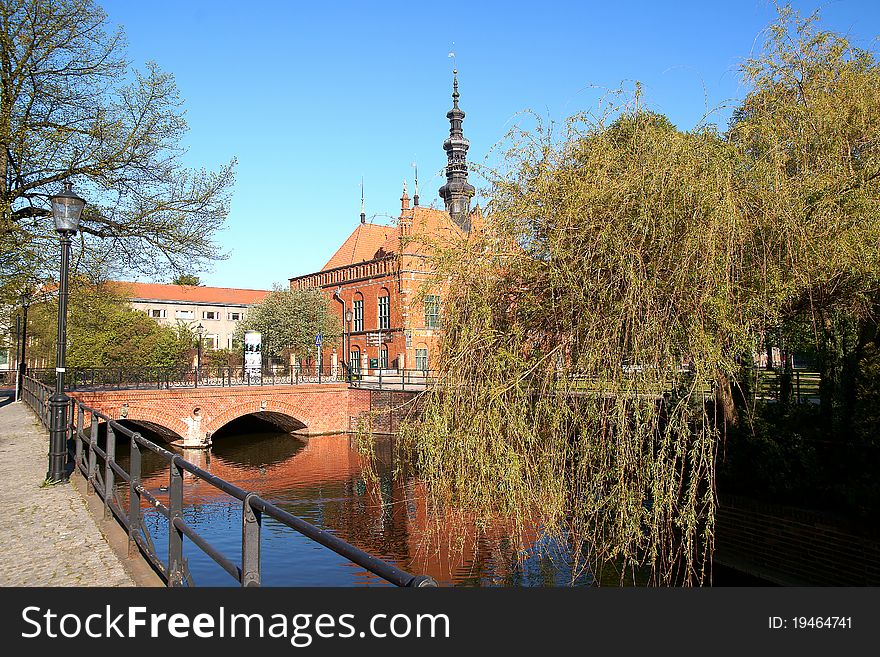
[362, 245]
[370, 241]
[187, 293]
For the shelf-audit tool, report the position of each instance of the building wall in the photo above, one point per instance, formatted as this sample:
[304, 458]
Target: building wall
[368, 281]
[218, 332]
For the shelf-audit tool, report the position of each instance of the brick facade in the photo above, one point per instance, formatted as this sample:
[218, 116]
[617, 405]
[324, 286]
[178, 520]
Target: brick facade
[378, 261]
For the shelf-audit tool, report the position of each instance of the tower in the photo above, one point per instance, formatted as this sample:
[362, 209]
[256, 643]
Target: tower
[457, 192]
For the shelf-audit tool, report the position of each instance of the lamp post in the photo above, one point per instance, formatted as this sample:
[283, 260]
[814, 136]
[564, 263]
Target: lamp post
[22, 354]
[201, 332]
[348, 317]
[67, 209]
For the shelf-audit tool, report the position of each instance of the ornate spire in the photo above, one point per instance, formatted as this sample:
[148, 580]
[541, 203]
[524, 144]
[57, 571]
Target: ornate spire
[457, 192]
[363, 212]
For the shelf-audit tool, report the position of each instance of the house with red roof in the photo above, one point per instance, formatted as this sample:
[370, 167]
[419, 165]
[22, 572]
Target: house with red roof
[378, 280]
[217, 309]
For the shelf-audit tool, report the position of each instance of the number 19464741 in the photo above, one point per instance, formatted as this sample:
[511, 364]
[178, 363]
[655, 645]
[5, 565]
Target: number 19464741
[810, 622]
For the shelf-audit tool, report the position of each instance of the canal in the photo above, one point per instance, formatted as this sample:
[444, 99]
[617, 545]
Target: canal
[324, 480]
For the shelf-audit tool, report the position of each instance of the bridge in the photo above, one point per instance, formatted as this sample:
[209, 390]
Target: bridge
[186, 407]
[125, 495]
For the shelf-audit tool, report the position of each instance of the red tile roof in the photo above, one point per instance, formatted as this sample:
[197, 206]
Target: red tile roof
[363, 244]
[188, 293]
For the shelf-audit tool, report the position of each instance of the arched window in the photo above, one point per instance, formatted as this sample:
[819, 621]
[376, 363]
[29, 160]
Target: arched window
[358, 310]
[384, 312]
[354, 360]
[422, 357]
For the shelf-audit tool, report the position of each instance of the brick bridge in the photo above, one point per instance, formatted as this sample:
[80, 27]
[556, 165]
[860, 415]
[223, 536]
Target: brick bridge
[192, 415]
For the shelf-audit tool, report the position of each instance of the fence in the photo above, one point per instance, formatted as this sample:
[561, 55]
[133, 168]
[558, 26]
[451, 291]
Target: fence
[158, 378]
[102, 479]
[8, 378]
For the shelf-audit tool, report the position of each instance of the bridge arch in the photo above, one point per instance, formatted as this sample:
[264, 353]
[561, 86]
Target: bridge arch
[285, 416]
[154, 429]
[159, 421]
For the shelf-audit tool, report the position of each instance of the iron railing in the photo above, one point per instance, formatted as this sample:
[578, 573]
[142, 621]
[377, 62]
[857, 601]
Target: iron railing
[392, 379]
[8, 378]
[102, 480]
[161, 378]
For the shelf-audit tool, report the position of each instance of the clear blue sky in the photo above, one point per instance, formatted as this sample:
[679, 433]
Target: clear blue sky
[310, 97]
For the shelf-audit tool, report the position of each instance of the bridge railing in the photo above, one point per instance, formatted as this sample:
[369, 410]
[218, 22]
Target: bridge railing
[163, 378]
[159, 378]
[391, 379]
[104, 474]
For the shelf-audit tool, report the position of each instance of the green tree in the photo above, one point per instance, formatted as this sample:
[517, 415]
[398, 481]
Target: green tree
[624, 240]
[72, 108]
[810, 128]
[187, 279]
[289, 320]
[103, 331]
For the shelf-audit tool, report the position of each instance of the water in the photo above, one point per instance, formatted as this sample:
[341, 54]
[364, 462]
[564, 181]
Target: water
[322, 481]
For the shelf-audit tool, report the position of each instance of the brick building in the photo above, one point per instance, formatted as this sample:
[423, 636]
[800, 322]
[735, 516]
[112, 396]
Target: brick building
[379, 274]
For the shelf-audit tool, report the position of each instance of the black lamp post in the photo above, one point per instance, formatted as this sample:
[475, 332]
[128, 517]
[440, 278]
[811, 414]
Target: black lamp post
[201, 331]
[22, 354]
[67, 209]
[348, 317]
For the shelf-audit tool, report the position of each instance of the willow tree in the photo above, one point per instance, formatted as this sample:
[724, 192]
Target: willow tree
[811, 131]
[596, 329]
[73, 108]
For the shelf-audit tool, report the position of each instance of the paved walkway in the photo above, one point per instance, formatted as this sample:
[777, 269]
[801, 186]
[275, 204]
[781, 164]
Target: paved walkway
[47, 535]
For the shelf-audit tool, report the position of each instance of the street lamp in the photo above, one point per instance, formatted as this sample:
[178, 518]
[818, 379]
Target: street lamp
[25, 299]
[201, 331]
[67, 209]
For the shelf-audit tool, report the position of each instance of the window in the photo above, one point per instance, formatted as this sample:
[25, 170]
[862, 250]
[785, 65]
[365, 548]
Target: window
[359, 315]
[422, 359]
[383, 358]
[384, 312]
[234, 317]
[432, 311]
[354, 361]
[210, 314]
[184, 314]
[158, 313]
[229, 341]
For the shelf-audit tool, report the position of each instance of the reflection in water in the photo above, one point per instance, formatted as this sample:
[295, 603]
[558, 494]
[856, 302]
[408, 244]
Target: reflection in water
[323, 481]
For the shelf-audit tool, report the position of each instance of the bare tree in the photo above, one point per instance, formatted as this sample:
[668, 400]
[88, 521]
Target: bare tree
[73, 108]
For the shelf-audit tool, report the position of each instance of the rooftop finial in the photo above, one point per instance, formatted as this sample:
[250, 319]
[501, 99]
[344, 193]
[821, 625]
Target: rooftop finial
[416, 194]
[363, 213]
[404, 199]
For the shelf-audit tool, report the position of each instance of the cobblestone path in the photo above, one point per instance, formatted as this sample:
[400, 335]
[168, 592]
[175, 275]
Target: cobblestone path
[47, 535]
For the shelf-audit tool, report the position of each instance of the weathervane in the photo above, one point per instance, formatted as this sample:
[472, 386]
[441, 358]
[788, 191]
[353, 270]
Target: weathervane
[416, 194]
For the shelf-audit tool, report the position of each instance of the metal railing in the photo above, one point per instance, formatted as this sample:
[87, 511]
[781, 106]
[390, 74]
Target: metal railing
[158, 378]
[102, 479]
[163, 378]
[390, 379]
[8, 378]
